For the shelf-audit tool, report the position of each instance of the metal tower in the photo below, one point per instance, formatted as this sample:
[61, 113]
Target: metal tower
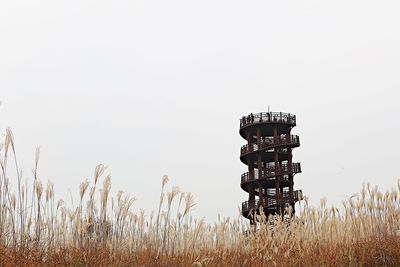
[268, 155]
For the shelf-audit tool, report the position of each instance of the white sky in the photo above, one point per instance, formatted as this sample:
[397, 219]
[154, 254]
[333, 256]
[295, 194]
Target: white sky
[158, 87]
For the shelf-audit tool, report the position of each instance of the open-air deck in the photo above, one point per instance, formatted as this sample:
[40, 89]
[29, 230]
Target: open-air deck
[280, 119]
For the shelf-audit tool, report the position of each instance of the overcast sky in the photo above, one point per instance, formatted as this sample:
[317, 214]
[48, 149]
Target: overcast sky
[157, 87]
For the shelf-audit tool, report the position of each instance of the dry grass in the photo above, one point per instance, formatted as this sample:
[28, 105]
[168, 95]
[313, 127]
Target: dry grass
[37, 230]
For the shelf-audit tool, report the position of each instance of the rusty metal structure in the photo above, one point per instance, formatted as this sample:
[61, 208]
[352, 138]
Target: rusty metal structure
[268, 155]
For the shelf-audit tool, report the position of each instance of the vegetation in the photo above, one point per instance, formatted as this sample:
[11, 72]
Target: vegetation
[35, 229]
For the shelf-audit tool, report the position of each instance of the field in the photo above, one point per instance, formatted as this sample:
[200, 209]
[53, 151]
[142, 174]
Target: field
[100, 230]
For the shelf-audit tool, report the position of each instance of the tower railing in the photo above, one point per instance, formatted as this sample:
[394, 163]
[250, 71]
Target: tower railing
[262, 117]
[269, 142]
[268, 202]
[270, 172]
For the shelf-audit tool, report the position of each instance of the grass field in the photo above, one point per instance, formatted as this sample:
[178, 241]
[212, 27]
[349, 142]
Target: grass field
[100, 230]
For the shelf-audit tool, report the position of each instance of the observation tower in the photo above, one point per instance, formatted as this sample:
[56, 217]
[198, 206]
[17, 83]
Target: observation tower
[268, 156]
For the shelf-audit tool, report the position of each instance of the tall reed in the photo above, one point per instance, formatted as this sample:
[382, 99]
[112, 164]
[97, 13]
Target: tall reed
[37, 229]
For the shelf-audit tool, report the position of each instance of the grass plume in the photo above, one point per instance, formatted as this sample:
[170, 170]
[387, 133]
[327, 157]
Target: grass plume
[36, 229]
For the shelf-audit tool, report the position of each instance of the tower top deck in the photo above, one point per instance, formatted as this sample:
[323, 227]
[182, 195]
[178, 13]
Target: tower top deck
[251, 122]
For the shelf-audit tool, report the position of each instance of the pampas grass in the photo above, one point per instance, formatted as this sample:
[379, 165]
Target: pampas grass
[36, 229]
